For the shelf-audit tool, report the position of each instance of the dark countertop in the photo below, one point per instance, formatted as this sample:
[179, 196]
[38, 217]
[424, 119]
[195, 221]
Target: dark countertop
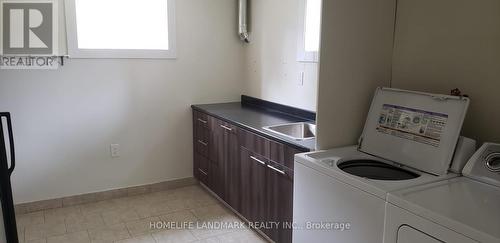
[253, 118]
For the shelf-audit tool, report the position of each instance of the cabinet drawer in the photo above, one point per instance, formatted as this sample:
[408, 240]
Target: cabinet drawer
[283, 154]
[202, 162]
[201, 140]
[203, 176]
[280, 170]
[200, 119]
[255, 143]
[200, 168]
[224, 126]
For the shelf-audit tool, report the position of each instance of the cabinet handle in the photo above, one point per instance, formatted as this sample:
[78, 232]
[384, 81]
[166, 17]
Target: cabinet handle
[202, 121]
[203, 143]
[203, 172]
[258, 160]
[277, 170]
[227, 128]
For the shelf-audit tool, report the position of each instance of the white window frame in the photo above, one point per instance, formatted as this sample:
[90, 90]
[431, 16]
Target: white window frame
[302, 54]
[75, 52]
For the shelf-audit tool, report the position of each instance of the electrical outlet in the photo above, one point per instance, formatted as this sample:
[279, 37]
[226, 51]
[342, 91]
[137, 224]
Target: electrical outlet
[115, 150]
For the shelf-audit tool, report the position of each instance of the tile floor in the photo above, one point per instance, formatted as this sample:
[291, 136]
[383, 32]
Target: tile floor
[128, 220]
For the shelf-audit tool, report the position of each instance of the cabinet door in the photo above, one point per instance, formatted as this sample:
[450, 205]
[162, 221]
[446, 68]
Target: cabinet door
[213, 174]
[214, 138]
[253, 186]
[201, 168]
[217, 162]
[232, 163]
[280, 202]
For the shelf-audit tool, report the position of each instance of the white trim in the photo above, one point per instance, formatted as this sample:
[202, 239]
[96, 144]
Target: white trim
[302, 54]
[75, 52]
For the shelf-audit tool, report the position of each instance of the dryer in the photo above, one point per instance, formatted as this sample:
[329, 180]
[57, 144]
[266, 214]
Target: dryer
[460, 210]
[409, 139]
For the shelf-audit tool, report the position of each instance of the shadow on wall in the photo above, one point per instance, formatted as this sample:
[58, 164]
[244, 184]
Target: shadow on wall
[442, 45]
[272, 70]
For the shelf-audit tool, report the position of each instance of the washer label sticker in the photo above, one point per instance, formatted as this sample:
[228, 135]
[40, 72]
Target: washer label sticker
[416, 125]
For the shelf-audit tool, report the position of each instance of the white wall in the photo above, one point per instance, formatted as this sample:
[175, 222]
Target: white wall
[356, 53]
[65, 120]
[447, 44]
[272, 70]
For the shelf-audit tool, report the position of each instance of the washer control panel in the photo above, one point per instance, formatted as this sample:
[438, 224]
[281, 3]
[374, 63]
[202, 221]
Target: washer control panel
[485, 164]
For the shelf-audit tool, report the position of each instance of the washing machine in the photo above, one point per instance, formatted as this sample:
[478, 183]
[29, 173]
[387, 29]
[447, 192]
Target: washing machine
[409, 139]
[460, 210]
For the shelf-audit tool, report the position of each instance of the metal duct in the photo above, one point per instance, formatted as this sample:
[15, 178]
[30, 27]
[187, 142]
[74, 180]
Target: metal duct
[243, 21]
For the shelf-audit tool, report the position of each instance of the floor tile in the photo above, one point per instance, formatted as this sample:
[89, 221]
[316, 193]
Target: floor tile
[58, 215]
[20, 234]
[121, 203]
[24, 220]
[44, 230]
[184, 216]
[209, 240]
[143, 226]
[120, 216]
[211, 212]
[77, 223]
[190, 213]
[174, 236]
[109, 233]
[147, 210]
[38, 241]
[188, 203]
[100, 207]
[139, 239]
[241, 237]
[76, 237]
[207, 228]
[163, 195]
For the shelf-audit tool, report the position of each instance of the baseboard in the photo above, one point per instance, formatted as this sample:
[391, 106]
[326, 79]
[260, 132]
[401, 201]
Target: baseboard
[30, 207]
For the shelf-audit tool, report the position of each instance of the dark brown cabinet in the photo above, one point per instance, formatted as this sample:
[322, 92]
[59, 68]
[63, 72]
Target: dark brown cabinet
[224, 161]
[201, 143]
[229, 154]
[252, 174]
[267, 184]
[253, 186]
[201, 166]
[217, 178]
[279, 201]
[282, 154]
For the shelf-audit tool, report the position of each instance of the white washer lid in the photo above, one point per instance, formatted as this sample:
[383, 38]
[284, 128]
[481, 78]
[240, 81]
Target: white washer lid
[416, 129]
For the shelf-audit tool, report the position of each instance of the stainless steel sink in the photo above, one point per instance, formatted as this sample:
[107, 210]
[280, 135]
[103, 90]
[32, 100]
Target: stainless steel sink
[297, 131]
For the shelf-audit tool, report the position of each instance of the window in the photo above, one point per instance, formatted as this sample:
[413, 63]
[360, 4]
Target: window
[121, 28]
[309, 37]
